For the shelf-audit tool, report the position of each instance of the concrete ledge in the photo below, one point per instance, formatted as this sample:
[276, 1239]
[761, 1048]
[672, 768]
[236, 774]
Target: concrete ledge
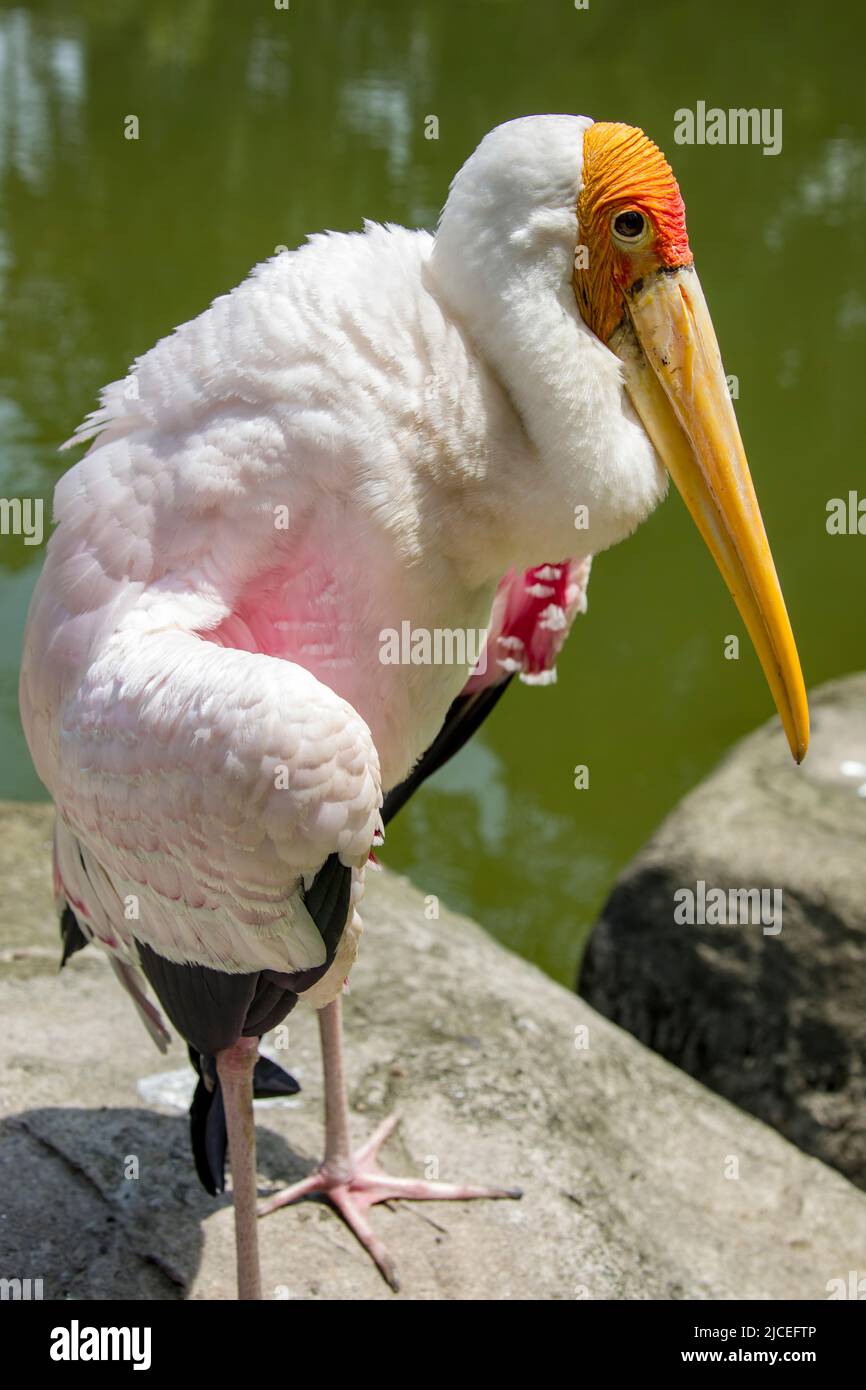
[622, 1157]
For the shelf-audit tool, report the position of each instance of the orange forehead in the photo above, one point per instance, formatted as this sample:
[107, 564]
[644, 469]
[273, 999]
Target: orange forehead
[623, 169]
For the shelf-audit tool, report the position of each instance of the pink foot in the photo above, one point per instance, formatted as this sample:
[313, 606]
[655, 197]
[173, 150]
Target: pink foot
[353, 1196]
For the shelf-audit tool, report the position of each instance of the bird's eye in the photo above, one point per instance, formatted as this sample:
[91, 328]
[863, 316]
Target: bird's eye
[629, 226]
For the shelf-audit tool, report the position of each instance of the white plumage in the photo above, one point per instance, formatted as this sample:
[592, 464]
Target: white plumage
[308, 463]
[377, 430]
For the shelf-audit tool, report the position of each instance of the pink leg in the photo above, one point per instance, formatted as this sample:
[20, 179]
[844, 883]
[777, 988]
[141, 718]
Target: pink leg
[235, 1069]
[353, 1183]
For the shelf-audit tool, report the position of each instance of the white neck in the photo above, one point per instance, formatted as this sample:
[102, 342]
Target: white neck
[503, 261]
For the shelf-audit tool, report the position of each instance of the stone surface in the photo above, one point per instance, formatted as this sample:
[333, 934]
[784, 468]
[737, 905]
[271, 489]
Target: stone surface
[774, 1022]
[622, 1157]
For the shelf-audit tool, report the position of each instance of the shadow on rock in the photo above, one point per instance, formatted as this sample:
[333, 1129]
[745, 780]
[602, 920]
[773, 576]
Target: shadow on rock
[105, 1203]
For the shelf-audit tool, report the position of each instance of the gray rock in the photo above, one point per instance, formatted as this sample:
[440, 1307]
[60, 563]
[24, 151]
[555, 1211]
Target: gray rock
[774, 1022]
[623, 1158]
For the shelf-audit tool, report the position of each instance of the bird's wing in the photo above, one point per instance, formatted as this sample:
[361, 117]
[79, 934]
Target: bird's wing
[531, 617]
[160, 741]
[88, 905]
[208, 786]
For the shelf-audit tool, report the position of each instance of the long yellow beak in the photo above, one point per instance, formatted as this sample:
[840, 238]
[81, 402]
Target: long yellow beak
[673, 373]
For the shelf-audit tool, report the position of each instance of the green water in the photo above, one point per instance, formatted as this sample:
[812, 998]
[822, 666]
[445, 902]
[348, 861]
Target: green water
[259, 125]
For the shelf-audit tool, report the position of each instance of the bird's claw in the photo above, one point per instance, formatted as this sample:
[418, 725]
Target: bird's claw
[353, 1196]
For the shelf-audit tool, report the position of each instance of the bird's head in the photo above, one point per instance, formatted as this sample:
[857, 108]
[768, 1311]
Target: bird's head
[638, 291]
[631, 223]
[561, 234]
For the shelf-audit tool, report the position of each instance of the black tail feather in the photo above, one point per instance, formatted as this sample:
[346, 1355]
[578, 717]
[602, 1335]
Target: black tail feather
[270, 1081]
[207, 1126]
[71, 935]
[207, 1116]
[212, 1009]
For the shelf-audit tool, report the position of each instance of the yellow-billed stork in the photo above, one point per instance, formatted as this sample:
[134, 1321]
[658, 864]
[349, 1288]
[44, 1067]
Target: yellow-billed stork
[377, 428]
